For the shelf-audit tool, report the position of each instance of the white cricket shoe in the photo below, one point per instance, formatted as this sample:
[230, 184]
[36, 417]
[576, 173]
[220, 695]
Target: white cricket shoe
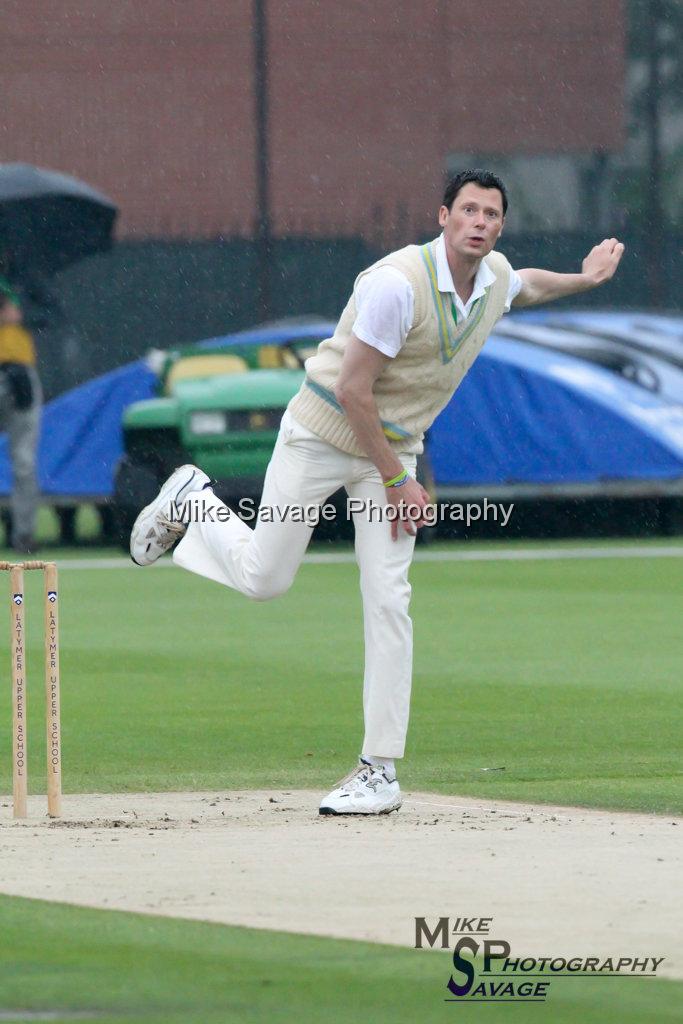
[156, 530]
[366, 790]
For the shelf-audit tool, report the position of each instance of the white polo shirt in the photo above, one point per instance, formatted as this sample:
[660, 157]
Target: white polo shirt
[385, 302]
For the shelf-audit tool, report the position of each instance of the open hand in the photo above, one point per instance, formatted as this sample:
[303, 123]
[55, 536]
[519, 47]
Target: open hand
[602, 261]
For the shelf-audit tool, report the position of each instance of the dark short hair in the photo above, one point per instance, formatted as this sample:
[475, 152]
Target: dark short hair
[485, 179]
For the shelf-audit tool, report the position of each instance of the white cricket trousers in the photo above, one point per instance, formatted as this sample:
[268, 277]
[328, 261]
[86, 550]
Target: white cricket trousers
[262, 563]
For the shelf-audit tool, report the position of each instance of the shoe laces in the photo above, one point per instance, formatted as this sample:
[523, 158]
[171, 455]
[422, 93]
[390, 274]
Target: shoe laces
[359, 776]
[170, 526]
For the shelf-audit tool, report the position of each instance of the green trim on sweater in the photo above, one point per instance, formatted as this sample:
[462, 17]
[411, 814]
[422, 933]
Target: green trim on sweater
[391, 430]
[452, 336]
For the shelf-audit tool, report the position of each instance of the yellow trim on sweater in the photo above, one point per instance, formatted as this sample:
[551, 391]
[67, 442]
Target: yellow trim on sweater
[453, 335]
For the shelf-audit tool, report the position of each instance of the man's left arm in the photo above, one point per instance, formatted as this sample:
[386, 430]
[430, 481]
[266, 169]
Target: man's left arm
[598, 267]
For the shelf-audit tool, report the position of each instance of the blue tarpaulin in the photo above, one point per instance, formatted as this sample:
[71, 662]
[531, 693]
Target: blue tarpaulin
[81, 437]
[525, 414]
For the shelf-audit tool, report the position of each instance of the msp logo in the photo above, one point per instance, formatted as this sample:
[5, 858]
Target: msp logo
[485, 971]
[52, 596]
[18, 598]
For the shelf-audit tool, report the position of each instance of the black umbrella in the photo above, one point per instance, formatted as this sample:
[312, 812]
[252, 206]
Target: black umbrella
[49, 220]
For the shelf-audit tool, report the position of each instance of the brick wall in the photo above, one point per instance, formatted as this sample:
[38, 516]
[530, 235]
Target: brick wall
[152, 102]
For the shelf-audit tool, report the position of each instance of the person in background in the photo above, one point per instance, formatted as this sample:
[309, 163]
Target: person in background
[20, 408]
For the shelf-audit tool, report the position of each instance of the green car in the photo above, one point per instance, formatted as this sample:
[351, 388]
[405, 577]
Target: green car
[219, 406]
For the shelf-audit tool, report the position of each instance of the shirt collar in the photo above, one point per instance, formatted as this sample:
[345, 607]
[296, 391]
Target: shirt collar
[483, 279]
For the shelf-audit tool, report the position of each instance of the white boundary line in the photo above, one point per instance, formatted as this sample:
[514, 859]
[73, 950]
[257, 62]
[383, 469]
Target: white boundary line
[501, 810]
[499, 555]
[522, 554]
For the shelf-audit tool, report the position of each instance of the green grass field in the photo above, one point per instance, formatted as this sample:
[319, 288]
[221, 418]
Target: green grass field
[565, 672]
[103, 966]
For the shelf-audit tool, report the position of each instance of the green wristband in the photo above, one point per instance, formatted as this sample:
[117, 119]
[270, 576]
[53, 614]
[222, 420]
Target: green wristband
[397, 480]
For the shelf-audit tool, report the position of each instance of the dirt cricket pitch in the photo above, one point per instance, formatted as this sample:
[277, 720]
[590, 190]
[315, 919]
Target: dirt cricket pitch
[556, 880]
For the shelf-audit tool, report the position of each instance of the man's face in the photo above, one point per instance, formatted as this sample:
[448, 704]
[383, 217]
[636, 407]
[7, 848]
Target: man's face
[474, 222]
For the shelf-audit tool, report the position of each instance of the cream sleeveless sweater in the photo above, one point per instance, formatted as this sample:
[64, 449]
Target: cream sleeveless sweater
[414, 387]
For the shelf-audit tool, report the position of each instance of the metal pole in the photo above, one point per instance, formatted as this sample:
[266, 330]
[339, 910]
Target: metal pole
[655, 234]
[263, 226]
